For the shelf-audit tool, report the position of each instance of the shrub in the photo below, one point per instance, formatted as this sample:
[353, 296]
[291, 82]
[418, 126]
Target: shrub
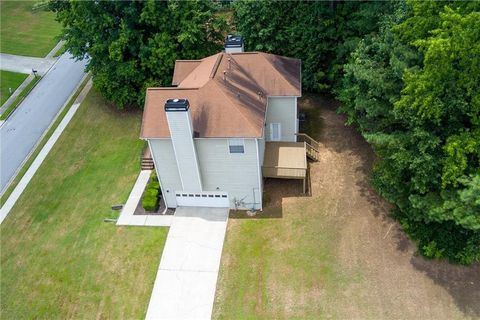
[150, 196]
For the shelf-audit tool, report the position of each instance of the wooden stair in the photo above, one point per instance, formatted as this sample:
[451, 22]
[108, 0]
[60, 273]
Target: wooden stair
[146, 160]
[147, 164]
[313, 146]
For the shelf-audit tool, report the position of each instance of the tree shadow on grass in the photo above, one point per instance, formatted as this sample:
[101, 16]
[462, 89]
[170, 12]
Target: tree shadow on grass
[462, 283]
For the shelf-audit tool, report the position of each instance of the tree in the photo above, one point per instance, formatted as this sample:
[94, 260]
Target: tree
[322, 34]
[132, 45]
[413, 90]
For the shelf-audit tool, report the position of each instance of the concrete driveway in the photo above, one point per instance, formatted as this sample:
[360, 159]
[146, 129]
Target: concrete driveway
[187, 276]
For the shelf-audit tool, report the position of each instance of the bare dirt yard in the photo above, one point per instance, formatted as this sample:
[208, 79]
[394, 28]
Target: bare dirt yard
[335, 254]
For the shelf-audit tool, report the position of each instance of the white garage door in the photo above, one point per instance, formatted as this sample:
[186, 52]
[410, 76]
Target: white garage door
[204, 199]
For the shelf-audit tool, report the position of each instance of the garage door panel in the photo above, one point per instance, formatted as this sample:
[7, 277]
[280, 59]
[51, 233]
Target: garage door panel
[210, 199]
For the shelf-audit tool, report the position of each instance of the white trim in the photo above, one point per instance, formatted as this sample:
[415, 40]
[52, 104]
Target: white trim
[216, 199]
[192, 143]
[296, 120]
[259, 179]
[176, 161]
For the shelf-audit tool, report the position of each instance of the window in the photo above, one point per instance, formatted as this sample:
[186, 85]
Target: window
[236, 146]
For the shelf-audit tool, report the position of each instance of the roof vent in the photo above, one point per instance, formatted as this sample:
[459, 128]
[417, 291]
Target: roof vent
[176, 105]
[233, 44]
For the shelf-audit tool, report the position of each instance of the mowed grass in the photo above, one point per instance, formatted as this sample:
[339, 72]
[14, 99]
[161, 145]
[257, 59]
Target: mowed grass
[335, 254]
[280, 268]
[26, 32]
[59, 259]
[9, 80]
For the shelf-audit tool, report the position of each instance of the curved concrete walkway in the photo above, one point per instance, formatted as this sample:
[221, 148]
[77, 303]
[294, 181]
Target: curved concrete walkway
[187, 278]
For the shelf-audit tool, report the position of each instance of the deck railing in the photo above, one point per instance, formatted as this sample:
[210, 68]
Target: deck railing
[312, 145]
[283, 172]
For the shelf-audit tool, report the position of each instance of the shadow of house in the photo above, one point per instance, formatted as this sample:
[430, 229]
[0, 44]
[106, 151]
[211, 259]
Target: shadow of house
[275, 192]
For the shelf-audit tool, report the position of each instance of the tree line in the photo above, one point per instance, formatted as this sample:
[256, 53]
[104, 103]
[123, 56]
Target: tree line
[407, 74]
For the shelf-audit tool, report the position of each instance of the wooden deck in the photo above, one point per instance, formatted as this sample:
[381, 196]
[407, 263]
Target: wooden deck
[285, 160]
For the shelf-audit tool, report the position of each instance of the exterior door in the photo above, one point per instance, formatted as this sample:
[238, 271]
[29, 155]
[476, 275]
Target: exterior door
[275, 131]
[204, 199]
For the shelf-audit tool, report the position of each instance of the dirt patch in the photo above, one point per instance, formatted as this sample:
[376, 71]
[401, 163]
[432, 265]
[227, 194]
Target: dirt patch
[335, 253]
[396, 281]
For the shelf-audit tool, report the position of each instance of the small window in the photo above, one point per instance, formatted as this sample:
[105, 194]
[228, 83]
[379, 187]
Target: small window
[210, 195]
[184, 194]
[204, 195]
[224, 195]
[178, 194]
[197, 196]
[236, 146]
[190, 195]
[217, 196]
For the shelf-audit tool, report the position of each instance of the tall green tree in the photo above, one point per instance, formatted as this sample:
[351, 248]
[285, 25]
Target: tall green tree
[132, 45]
[322, 34]
[413, 90]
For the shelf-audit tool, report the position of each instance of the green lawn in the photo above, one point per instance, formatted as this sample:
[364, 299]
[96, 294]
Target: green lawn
[26, 32]
[334, 254]
[279, 268]
[58, 258]
[19, 98]
[9, 80]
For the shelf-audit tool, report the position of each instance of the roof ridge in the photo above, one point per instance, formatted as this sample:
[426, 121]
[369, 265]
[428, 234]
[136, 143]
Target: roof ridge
[216, 65]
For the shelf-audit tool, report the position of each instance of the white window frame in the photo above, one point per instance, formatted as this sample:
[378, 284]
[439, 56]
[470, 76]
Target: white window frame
[235, 142]
[279, 131]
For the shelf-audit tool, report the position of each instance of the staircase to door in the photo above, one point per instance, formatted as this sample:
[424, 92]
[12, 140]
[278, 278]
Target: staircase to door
[146, 159]
[313, 146]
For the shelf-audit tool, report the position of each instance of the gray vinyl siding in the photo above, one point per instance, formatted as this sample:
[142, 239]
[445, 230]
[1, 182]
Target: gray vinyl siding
[182, 138]
[261, 150]
[236, 174]
[282, 110]
[167, 170]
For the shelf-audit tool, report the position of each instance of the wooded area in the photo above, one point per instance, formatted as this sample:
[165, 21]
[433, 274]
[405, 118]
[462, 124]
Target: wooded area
[407, 74]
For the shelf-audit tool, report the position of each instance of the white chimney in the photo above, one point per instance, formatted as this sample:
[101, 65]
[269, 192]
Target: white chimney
[233, 44]
[181, 131]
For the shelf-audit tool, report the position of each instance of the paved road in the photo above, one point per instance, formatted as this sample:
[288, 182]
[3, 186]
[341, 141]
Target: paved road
[22, 130]
[24, 64]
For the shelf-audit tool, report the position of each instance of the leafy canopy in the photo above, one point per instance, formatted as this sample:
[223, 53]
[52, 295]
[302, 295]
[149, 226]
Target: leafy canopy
[133, 45]
[322, 34]
[413, 89]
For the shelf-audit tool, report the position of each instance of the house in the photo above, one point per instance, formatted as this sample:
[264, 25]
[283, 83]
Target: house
[229, 121]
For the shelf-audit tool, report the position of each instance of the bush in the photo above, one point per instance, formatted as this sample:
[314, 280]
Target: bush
[150, 196]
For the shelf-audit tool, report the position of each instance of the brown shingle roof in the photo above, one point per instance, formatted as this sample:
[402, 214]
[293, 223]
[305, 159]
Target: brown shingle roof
[182, 69]
[227, 94]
